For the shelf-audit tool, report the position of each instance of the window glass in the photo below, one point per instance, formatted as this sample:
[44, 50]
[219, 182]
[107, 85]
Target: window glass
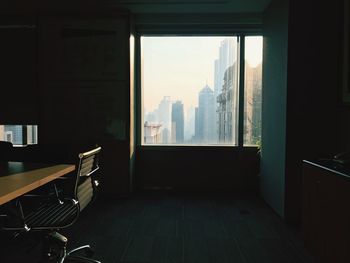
[252, 91]
[19, 135]
[189, 90]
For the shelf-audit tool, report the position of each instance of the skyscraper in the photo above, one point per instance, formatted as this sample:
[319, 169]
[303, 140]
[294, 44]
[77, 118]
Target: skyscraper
[164, 117]
[177, 122]
[152, 134]
[205, 117]
[252, 105]
[227, 110]
[189, 123]
[227, 57]
[196, 126]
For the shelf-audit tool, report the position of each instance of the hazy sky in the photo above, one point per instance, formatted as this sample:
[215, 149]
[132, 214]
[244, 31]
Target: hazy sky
[180, 67]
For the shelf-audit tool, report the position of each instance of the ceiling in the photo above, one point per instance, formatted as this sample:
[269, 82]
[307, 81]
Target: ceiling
[145, 6]
[192, 6]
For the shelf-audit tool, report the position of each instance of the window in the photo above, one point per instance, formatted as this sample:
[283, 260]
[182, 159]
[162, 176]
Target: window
[19, 135]
[252, 90]
[190, 91]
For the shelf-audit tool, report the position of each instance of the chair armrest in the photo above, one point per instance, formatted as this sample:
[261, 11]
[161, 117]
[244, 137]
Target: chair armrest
[35, 195]
[53, 193]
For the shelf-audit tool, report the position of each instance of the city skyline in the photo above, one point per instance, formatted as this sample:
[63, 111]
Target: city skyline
[208, 113]
[182, 74]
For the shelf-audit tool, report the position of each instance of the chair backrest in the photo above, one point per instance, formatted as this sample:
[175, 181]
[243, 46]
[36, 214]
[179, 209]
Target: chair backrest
[85, 187]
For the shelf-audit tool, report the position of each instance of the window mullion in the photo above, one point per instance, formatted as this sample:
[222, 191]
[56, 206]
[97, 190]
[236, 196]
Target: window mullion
[241, 78]
[139, 90]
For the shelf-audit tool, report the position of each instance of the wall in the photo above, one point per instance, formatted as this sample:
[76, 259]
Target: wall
[84, 89]
[275, 49]
[317, 122]
[203, 168]
[18, 100]
[71, 77]
[312, 122]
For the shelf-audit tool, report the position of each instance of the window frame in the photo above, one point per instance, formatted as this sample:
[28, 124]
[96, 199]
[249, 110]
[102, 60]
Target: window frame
[139, 91]
[24, 136]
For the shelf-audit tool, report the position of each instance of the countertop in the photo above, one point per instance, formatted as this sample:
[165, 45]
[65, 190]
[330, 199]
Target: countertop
[329, 165]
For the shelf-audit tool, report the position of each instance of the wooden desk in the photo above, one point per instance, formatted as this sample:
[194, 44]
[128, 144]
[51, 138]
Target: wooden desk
[17, 178]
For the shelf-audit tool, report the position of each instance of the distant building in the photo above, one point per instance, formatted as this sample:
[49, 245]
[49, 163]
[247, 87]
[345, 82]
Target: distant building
[227, 57]
[152, 133]
[14, 134]
[252, 106]
[173, 132]
[151, 116]
[196, 125]
[205, 117]
[164, 118]
[32, 134]
[227, 111]
[166, 136]
[177, 122]
[189, 124]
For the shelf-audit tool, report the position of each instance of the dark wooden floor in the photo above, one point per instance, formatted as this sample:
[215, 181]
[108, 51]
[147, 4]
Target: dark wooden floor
[181, 228]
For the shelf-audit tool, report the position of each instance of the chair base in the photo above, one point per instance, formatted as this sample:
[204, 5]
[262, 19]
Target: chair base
[57, 249]
[70, 255]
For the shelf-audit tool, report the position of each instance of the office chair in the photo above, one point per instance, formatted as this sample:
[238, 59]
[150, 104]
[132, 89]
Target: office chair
[57, 213]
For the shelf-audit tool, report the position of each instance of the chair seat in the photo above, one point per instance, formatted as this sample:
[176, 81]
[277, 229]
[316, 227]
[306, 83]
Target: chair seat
[52, 215]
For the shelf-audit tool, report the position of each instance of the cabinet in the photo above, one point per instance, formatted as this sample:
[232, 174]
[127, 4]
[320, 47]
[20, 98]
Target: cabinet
[326, 211]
